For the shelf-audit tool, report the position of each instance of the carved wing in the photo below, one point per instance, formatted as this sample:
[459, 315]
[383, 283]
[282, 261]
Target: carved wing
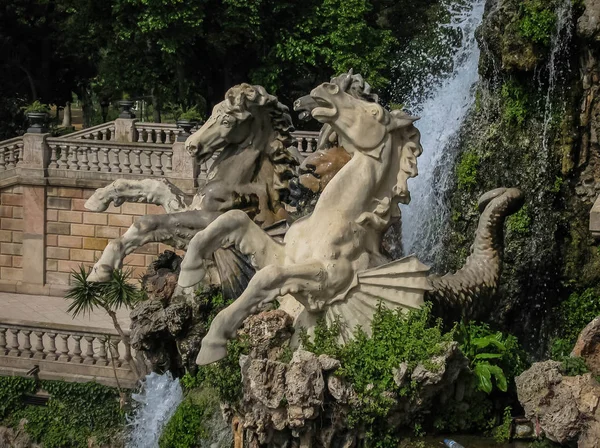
[401, 283]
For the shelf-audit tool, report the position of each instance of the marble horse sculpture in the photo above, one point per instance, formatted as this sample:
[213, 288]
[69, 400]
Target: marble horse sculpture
[251, 131]
[330, 261]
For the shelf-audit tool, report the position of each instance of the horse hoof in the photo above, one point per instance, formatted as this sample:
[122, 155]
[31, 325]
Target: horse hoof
[210, 353]
[100, 274]
[190, 277]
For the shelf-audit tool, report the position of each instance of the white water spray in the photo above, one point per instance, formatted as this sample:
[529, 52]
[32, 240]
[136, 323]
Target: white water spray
[158, 401]
[442, 114]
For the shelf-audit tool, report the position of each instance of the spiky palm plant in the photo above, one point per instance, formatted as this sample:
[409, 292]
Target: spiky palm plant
[87, 296]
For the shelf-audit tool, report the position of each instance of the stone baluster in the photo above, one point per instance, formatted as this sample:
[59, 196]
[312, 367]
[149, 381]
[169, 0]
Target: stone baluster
[64, 350]
[39, 345]
[3, 160]
[104, 163]
[140, 132]
[26, 352]
[53, 157]
[19, 153]
[72, 158]
[310, 145]
[14, 342]
[114, 351]
[169, 163]
[105, 134]
[76, 358]
[12, 163]
[136, 162]
[3, 350]
[127, 356]
[63, 160]
[84, 163]
[158, 168]
[115, 166]
[299, 144]
[89, 350]
[51, 353]
[147, 167]
[94, 166]
[102, 358]
[126, 161]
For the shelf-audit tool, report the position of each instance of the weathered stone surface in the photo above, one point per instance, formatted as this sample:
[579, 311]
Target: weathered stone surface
[16, 437]
[588, 25]
[266, 332]
[566, 407]
[588, 346]
[304, 388]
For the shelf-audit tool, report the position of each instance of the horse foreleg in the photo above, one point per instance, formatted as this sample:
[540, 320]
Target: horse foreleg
[268, 284]
[232, 228]
[175, 229]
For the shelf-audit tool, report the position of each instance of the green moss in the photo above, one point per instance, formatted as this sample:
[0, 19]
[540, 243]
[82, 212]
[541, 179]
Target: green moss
[515, 103]
[537, 22]
[558, 183]
[466, 170]
[189, 423]
[520, 222]
[502, 433]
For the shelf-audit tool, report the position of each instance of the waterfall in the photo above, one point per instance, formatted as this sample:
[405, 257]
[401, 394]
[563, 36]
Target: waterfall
[443, 110]
[160, 397]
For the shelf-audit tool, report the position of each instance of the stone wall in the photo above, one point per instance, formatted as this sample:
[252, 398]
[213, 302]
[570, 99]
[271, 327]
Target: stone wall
[11, 234]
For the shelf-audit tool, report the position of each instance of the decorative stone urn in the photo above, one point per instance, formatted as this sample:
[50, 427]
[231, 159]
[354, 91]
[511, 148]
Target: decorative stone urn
[37, 122]
[126, 106]
[186, 126]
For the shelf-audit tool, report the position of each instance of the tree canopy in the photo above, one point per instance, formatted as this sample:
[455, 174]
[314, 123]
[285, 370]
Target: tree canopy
[190, 52]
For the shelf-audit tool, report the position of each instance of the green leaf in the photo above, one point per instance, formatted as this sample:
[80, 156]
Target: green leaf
[498, 374]
[488, 356]
[484, 375]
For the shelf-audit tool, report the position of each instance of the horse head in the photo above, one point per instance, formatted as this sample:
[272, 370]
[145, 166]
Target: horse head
[366, 127]
[246, 117]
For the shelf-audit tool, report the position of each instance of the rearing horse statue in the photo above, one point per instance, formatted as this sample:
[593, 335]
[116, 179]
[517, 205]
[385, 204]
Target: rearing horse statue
[251, 131]
[329, 261]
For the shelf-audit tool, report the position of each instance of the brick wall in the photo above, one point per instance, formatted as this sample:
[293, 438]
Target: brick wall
[76, 236]
[11, 234]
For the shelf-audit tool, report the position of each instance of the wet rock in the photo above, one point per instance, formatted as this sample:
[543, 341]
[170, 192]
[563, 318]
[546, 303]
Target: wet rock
[588, 346]
[566, 407]
[400, 374]
[588, 25]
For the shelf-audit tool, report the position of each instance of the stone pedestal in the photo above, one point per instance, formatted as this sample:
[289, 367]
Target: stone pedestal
[125, 130]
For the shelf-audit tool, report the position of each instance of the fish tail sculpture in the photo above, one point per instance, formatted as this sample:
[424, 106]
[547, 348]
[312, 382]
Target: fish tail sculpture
[465, 293]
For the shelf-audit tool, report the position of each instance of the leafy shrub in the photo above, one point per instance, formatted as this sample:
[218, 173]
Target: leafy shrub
[573, 316]
[492, 354]
[574, 366]
[75, 412]
[502, 433]
[188, 425]
[538, 22]
[36, 106]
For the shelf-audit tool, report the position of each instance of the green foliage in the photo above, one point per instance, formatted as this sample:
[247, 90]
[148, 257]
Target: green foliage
[224, 376]
[572, 317]
[369, 363]
[538, 21]
[574, 366]
[36, 106]
[516, 103]
[189, 423]
[492, 355]
[86, 296]
[558, 183]
[467, 170]
[191, 114]
[502, 433]
[75, 412]
[520, 222]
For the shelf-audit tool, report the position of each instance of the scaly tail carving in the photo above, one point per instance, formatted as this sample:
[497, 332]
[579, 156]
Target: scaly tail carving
[464, 293]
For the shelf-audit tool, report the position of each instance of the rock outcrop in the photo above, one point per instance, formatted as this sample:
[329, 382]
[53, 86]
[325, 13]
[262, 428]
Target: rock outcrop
[566, 407]
[306, 401]
[588, 346]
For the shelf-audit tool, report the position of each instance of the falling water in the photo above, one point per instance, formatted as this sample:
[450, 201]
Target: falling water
[158, 401]
[442, 113]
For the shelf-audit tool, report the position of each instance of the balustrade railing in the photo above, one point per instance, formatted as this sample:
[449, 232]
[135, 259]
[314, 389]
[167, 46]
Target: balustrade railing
[305, 141]
[110, 157]
[11, 153]
[161, 133]
[104, 132]
[66, 351]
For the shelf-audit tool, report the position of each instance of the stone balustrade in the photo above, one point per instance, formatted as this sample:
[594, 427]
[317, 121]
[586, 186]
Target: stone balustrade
[66, 352]
[159, 133]
[104, 132]
[109, 157]
[11, 154]
[305, 141]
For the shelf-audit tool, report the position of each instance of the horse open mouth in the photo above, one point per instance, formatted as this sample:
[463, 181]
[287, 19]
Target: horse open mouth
[325, 109]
